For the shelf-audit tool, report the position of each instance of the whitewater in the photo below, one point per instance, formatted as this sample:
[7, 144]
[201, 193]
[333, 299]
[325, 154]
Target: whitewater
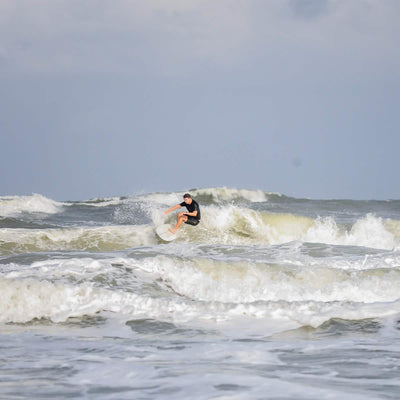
[269, 297]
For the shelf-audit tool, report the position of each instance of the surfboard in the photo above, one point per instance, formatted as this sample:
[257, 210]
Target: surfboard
[164, 234]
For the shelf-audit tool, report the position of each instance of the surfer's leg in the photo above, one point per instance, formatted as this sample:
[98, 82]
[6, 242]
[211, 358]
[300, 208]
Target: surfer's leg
[179, 221]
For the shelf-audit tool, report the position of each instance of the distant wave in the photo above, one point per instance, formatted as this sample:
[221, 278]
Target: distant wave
[220, 194]
[101, 202]
[208, 196]
[36, 203]
[13, 206]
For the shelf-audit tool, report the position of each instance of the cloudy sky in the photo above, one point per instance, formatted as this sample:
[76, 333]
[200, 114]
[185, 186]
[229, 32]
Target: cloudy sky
[117, 97]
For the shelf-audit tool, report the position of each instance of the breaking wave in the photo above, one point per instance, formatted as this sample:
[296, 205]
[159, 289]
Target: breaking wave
[228, 225]
[207, 289]
[36, 203]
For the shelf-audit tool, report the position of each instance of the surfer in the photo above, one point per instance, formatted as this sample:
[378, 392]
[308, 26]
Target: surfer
[192, 217]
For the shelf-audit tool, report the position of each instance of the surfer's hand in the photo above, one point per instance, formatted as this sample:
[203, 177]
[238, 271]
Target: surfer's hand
[166, 211]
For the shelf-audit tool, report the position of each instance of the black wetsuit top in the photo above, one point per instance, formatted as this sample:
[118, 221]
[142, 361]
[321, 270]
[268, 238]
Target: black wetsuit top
[193, 206]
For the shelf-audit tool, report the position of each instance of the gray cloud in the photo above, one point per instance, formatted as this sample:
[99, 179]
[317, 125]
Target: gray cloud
[309, 9]
[176, 37]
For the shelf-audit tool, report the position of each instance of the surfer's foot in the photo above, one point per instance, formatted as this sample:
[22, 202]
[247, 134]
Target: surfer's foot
[173, 231]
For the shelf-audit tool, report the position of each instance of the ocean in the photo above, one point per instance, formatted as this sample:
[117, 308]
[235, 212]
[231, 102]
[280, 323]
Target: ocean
[269, 297]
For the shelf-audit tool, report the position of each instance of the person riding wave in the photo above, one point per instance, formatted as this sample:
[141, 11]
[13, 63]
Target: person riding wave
[192, 217]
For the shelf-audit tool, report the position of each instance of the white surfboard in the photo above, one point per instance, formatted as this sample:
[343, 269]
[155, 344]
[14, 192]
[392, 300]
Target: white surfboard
[164, 234]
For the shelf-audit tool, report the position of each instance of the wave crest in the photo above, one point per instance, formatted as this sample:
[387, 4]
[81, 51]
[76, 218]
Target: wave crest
[228, 225]
[36, 203]
[234, 225]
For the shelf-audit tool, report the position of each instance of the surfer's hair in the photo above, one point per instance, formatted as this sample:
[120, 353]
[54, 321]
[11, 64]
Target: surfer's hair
[187, 196]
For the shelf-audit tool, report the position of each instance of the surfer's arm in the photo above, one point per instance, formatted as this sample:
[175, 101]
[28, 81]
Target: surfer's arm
[172, 209]
[191, 214]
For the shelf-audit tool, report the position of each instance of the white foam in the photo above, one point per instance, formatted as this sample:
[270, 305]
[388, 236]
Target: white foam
[208, 280]
[194, 289]
[357, 263]
[231, 224]
[315, 314]
[36, 203]
[235, 225]
[369, 231]
[22, 300]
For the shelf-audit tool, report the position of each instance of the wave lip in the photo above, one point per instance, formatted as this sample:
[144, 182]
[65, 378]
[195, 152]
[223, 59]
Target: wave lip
[36, 203]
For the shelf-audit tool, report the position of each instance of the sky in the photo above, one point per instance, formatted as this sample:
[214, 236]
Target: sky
[104, 98]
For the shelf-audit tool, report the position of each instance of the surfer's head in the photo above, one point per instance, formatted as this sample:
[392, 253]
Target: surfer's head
[187, 198]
